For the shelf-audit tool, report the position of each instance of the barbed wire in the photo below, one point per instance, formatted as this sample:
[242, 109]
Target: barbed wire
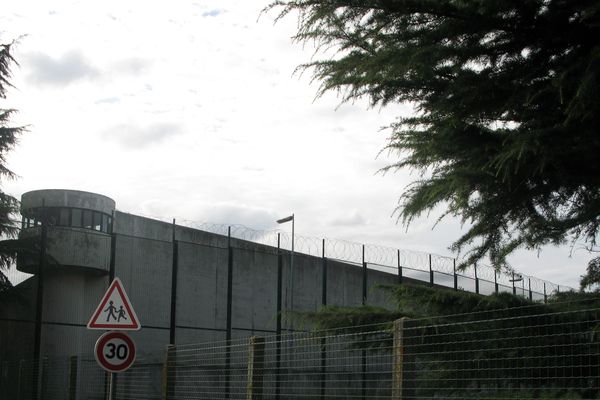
[373, 254]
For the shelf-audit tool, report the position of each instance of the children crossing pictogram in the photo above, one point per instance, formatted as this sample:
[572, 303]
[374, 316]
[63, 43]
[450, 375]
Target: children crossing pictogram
[115, 310]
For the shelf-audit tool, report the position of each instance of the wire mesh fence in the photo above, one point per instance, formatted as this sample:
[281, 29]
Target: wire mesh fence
[529, 353]
[541, 351]
[298, 366]
[535, 352]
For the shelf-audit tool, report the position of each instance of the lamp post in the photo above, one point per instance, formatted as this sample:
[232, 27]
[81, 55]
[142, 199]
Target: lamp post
[516, 278]
[291, 278]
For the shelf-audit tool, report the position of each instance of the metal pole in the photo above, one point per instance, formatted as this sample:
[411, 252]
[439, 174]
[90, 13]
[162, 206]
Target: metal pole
[292, 272]
[364, 277]
[454, 273]
[113, 250]
[72, 392]
[110, 386]
[476, 279]
[278, 328]
[20, 379]
[229, 306]
[323, 340]
[513, 284]
[399, 269]
[279, 283]
[324, 277]
[364, 352]
[43, 378]
[545, 295]
[112, 270]
[496, 281]
[430, 272]
[174, 266]
[39, 299]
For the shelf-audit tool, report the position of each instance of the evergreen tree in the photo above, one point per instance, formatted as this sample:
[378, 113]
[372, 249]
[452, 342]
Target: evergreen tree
[9, 206]
[591, 279]
[506, 93]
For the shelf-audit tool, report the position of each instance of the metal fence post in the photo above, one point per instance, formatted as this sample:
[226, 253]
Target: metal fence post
[364, 277]
[454, 274]
[43, 378]
[401, 369]
[2, 378]
[113, 251]
[278, 328]
[111, 277]
[496, 281]
[174, 266]
[513, 284]
[256, 365]
[476, 279]
[168, 384]
[324, 277]
[229, 310]
[430, 272]
[72, 391]
[323, 340]
[5, 386]
[530, 292]
[20, 379]
[39, 300]
[545, 295]
[364, 301]
[399, 269]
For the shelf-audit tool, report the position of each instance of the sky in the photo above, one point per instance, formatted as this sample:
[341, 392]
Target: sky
[193, 110]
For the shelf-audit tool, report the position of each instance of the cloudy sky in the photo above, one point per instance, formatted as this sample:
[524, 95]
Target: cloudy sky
[191, 110]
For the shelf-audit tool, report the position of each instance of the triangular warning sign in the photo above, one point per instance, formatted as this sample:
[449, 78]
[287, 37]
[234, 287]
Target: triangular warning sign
[115, 310]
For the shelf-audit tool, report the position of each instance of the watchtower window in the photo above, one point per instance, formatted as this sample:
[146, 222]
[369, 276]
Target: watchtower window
[68, 217]
[97, 221]
[87, 219]
[76, 218]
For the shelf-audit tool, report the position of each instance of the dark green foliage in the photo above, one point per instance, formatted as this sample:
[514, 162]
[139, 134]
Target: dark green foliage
[413, 301]
[424, 302]
[462, 345]
[348, 319]
[9, 206]
[591, 279]
[506, 129]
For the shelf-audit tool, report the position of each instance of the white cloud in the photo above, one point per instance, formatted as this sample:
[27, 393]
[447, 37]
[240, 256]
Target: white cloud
[59, 71]
[135, 137]
[354, 218]
[131, 66]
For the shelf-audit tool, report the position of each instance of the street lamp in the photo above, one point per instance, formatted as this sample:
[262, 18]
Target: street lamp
[516, 278]
[291, 278]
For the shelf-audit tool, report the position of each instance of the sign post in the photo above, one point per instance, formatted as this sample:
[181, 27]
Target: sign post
[114, 350]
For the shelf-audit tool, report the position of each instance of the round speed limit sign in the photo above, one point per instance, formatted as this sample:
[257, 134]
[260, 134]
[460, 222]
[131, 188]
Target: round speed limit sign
[114, 351]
